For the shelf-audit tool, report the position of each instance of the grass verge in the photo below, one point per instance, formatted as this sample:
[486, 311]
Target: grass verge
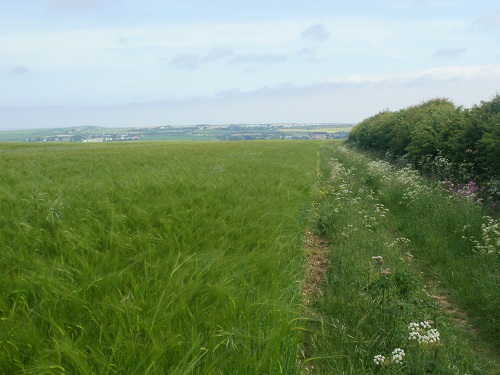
[390, 234]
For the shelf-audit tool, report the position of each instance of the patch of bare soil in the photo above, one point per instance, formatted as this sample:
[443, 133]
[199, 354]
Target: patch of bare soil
[315, 249]
[457, 315]
[316, 266]
[487, 354]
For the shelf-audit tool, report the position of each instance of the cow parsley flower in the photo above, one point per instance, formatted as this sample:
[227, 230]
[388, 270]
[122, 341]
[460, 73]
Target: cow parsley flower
[423, 333]
[397, 355]
[379, 359]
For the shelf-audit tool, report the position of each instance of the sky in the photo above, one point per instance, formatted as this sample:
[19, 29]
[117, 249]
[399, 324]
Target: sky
[129, 63]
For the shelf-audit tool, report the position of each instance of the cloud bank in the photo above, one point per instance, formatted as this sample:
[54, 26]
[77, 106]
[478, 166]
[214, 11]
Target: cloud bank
[346, 100]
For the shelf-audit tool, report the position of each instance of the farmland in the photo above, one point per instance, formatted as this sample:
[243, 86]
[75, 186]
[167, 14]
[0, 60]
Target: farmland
[187, 258]
[152, 258]
[231, 132]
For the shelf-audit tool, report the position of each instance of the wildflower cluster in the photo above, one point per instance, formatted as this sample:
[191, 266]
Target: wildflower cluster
[396, 358]
[379, 168]
[469, 191]
[379, 359]
[408, 179]
[333, 194]
[397, 355]
[352, 155]
[337, 183]
[420, 332]
[372, 219]
[423, 333]
[398, 241]
[490, 237]
[489, 243]
[380, 209]
[436, 165]
[405, 178]
[340, 177]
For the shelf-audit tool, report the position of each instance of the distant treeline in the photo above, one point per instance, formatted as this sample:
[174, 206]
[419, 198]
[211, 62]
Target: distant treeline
[451, 143]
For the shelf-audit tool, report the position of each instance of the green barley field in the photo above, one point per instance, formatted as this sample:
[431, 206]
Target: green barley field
[152, 258]
[188, 258]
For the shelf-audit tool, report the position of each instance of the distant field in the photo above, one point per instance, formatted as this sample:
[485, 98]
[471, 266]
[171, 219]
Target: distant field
[21, 135]
[24, 134]
[178, 137]
[201, 133]
[135, 258]
[305, 129]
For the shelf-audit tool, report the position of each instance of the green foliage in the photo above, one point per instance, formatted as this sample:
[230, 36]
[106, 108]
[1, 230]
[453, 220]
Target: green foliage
[391, 234]
[468, 139]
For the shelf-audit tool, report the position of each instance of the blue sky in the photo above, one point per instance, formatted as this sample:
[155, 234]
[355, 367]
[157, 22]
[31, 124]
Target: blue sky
[184, 62]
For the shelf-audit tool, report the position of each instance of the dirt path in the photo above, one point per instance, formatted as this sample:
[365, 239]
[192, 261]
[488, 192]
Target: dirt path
[315, 249]
[316, 266]
[460, 318]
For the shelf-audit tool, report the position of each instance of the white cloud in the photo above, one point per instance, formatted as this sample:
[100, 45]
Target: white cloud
[317, 33]
[436, 75]
[311, 54]
[19, 69]
[217, 53]
[449, 53]
[70, 5]
[191, 61]
[489, 22]
[79, 5]
[188, 61]
[258, 58]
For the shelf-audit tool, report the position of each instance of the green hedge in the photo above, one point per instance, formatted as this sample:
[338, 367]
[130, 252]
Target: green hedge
[438, 138]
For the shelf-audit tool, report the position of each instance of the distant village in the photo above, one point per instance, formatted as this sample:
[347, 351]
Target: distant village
[77, 135]
[206, 132]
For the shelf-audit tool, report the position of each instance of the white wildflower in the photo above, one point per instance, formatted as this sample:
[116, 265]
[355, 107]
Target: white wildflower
[379, 359]
[490, 241]
[433, 335]
[425, 324]
[423, 333]
[397, 355]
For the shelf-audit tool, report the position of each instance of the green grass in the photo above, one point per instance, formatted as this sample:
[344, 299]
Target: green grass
[152, 258]
[368, 209]
[186, 258]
